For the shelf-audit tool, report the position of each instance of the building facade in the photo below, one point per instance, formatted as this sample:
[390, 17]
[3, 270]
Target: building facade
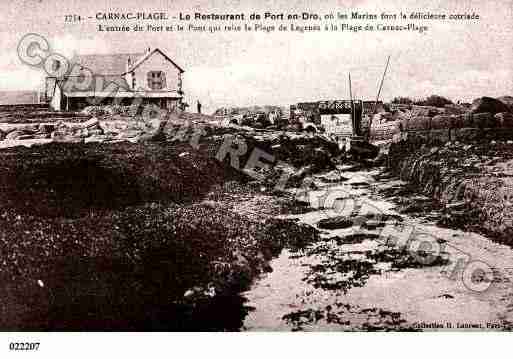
[125, 79]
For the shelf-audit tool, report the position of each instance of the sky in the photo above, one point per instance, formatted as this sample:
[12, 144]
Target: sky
[461, 60]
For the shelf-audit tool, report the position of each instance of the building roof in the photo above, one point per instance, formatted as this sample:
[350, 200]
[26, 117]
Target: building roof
[116, 64]
[98, 83]
[110, 64]
[147, 55]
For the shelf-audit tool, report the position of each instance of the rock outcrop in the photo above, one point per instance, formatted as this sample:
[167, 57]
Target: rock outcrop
[488, 104]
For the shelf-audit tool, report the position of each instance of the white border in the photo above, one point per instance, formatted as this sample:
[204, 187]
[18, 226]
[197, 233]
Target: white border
[260, 345]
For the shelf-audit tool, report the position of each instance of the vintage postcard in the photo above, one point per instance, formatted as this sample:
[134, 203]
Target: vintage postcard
[275, 166]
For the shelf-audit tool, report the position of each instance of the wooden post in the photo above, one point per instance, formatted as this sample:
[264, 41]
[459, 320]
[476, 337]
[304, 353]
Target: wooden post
[353, 119]
[377, 97]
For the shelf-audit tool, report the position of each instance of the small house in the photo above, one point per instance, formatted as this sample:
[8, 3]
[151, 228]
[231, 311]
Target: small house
[149, 77]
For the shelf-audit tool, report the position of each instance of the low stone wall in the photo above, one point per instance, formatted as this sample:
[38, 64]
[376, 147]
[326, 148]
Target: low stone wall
[443, 128]
[465, 162]
[93, 130]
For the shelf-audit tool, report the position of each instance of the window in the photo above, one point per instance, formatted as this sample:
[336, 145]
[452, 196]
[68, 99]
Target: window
[156, 80]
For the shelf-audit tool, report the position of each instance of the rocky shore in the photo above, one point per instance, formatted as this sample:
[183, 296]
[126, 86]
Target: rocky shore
[470, 182]
[151, 235]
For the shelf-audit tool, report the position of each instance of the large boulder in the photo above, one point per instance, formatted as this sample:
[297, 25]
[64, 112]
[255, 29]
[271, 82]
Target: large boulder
[419, 123]
[88, 128]
[97, 138]
[508, 101]
[504, 119]
[362, 149]
[440, 122]
[46, 128]
[382, 117]
[440, 136]
[94, 111]
[131, 133]
[338, 222]
[19, 135]
[466, 134]
[95, 131]
[27, 128]
[488, 104]
[114, 127]
[467, 120]
[429, 111]
[484, 120]
[457, 121]
[454, 109]
[63, 136]
[66, 133]
[91, 123]
[157, 131]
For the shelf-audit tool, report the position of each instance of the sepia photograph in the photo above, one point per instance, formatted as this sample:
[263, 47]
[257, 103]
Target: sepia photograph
[255, 166]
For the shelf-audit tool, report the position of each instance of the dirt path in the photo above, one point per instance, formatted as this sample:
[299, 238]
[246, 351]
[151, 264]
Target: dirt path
[358, 279]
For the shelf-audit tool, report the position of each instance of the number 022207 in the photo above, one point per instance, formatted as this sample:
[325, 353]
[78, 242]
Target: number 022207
[23, 346]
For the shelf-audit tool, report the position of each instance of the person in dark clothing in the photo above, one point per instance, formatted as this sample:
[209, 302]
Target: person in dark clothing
[199, 107]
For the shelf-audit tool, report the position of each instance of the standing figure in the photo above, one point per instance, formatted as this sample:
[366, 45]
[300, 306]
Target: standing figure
[199, 106]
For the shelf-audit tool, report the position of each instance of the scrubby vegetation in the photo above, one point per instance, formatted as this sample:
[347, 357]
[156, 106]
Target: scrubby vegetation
[119, 237]
[72, 179]
[433, 100]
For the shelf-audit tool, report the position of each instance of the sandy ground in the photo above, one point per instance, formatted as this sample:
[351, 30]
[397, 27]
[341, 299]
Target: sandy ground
[337, 285]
